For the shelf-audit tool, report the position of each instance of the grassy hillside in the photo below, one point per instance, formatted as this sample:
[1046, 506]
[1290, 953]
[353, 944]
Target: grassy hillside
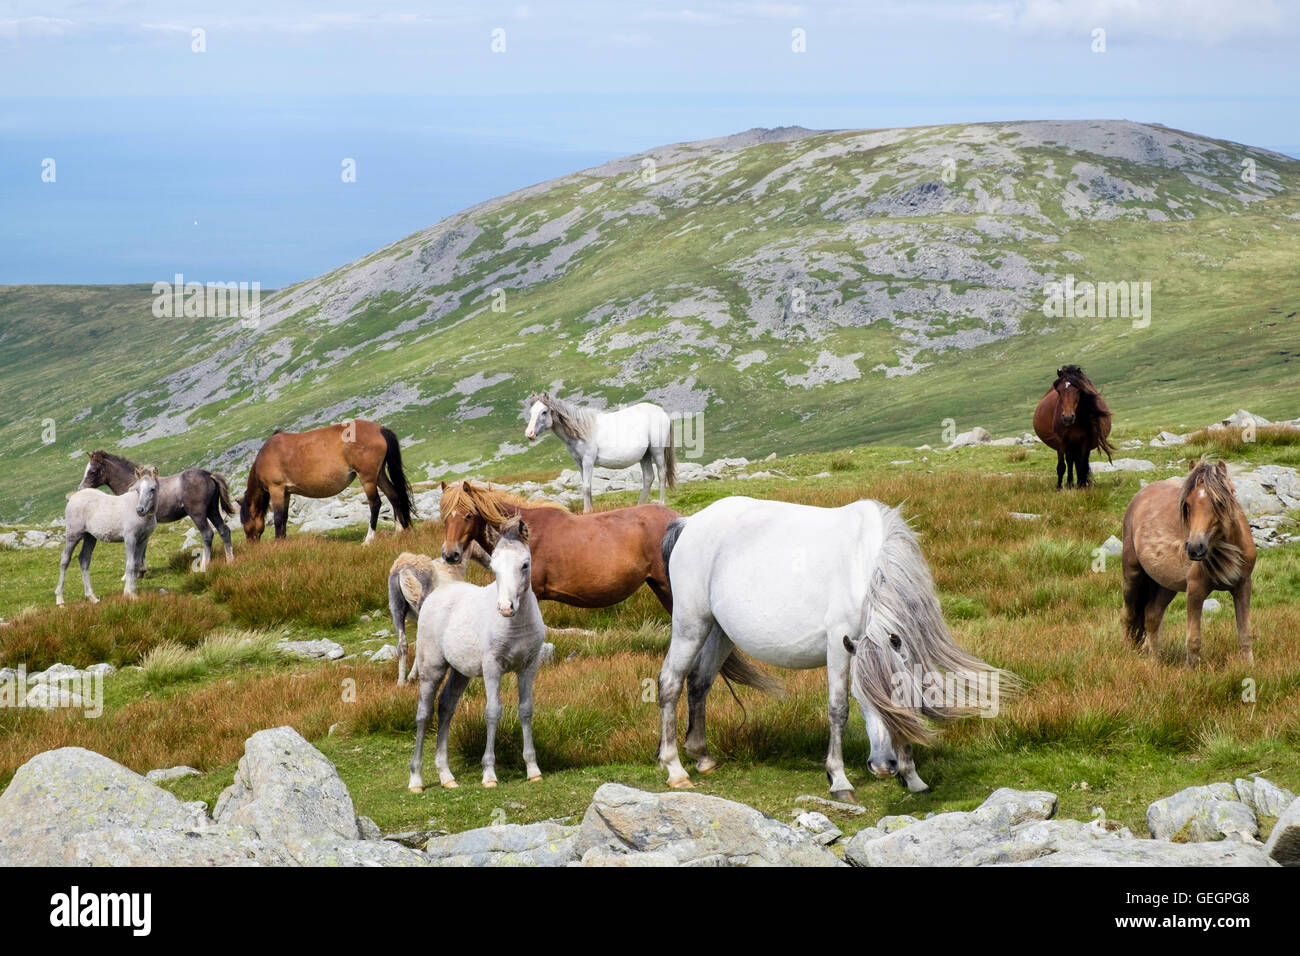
[804, 291]
[1099, 723]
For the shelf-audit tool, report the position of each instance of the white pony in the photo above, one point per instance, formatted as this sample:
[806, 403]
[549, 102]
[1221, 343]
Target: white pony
[93, 516]
[801, 587]
[465, 631]
[639, 433]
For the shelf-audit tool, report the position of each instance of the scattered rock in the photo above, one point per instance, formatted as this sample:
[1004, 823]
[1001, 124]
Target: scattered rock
[1123, 464]
[386, 653]
[838, 806]
[694, 829]
[509, 844]
[171, 773]
[1284, 842]
[1113, 546]
[1199, 814]
[312, 650]
[819, 825]
[976, 436]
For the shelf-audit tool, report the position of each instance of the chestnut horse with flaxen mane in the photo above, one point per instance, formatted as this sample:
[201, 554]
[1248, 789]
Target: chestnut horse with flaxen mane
[1186, 535]
[1073, 419]
[321, 463]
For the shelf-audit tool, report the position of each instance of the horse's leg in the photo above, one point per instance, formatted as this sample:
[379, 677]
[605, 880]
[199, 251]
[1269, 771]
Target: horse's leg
[1198, 589]
[390, 493]
[526, 679]
[447, 701]
[588, 465]
[88, 542]
[1083, 471]
[205, 530]
[838, 661]
[687, 641]
[647, 479]
[281, 505]
[663, 472]
[1137, 587]
[398, 608]
[1060, 467]
[698, 684]
[372, 496]
[132, 565]
[1069, 469]
[214, 516]
[1155, 613]
[1241, 607]
[492, 716]
[69, 545]
[423, 711]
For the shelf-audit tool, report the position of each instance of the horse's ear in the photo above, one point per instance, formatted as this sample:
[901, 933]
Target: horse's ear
[464, 486]
[444, 486]
[1191, 465]
[1222, 467]
[523, 530]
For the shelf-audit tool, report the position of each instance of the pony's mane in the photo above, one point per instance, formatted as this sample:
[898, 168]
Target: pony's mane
[109, 458]
[903, 602]
[573, 419]
[1225, 560]
[494, 505]
[1090, 401]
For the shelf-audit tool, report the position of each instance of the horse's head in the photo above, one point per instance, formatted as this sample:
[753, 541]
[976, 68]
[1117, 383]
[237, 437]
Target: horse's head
[1068, 393]
[512, 565]
[252, 509]
[146, 491]
[462, 520]
[538, 410]
[94, 476]
[1205, 504]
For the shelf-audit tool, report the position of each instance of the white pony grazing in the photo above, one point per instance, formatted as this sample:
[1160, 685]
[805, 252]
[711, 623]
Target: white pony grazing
[465, 631]
[93, 516]
[639, 433]
[801, 587]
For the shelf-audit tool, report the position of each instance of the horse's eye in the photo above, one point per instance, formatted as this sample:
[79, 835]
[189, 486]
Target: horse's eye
[895, 642]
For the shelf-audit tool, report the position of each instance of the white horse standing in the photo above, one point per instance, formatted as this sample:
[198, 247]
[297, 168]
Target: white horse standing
[466, 631]
[801, 587]
[639, 433]
[94, 516]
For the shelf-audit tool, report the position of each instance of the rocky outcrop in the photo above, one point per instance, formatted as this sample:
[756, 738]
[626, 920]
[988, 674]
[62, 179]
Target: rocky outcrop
[692, 830]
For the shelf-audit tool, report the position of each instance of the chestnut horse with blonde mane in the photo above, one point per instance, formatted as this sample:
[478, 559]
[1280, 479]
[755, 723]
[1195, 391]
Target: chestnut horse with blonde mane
[591, 560]
[1073, 419]
[321, 463]
[1186, 535]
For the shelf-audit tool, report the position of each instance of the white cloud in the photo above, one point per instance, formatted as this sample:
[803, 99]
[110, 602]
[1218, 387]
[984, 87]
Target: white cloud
[36, 27]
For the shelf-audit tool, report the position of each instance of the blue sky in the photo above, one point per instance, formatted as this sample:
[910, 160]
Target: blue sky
[224, 164]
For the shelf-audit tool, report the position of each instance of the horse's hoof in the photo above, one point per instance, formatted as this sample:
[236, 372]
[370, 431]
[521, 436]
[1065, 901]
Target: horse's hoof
[416, 789]
[450, 784]
[706, 767]
[844, 796]
[489, 783]
[681, 783]
[536, 779]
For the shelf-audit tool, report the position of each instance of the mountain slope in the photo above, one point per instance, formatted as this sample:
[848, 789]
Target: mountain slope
[802, 290]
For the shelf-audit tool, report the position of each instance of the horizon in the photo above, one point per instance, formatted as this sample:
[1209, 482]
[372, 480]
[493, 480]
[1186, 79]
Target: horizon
[234, 173]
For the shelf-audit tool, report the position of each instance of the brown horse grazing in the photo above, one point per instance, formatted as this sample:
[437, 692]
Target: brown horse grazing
[1192, 537]
[321, 463]
[590, 560]
[1073, 419]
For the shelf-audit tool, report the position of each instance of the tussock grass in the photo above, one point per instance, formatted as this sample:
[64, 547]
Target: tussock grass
[317, 582]
[169, 663]
[1230, 440]
[116, 630]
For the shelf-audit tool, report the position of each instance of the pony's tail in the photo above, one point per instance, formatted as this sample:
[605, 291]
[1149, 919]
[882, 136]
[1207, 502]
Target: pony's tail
[737, 669]
[223, 492]
[402, 508]
[670, 462]
[674, 531]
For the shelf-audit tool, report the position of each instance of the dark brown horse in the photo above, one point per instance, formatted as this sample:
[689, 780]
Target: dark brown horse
[1186, 536]
[321, 463]
[591, 560]
[203, 495]
[1073, 419]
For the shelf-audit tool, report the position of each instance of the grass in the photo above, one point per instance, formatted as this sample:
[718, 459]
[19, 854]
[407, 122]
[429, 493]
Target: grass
[1098, 723]
[1238, 440]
